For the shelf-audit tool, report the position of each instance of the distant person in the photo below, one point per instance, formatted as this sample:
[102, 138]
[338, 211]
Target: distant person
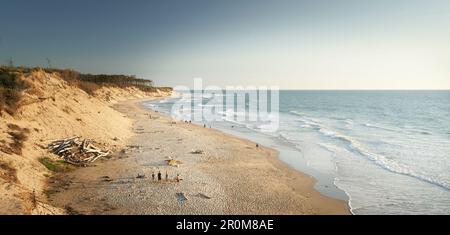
[204, 125]
[167, 176]
[153, 175]
[159, 176]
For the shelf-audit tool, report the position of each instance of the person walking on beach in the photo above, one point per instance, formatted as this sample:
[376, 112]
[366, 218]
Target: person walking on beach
[178, 179]
[167, 176]
[153, 175]
[159, 176]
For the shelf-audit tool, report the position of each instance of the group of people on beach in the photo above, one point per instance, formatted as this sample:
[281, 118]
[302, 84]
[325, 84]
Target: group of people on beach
[190, 122]
[159, 177]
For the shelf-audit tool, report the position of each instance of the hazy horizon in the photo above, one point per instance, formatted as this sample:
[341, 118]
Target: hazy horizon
[296, 45]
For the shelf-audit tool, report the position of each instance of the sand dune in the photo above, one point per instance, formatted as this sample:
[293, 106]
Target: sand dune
[52, 109]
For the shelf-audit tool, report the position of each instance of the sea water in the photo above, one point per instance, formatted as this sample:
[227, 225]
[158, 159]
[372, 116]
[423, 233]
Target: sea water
[385, 152]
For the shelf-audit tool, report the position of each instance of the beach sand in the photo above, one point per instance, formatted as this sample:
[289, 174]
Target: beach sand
[230, 176]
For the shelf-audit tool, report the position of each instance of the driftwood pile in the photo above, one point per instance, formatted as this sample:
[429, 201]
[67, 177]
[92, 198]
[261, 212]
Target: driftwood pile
[76, 151]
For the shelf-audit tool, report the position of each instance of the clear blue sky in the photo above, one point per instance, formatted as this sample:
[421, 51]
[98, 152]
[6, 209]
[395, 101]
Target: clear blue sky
[334, 44]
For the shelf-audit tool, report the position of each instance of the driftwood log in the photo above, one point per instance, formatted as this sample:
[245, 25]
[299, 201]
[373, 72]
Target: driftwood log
[75, 151]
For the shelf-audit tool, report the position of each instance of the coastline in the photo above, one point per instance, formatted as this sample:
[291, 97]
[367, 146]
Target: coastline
[52, 108]
[230, 176]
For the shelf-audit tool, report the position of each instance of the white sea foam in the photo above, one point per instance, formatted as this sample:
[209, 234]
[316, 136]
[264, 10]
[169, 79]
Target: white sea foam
[383, 161]
[389, 164]
[379, 127]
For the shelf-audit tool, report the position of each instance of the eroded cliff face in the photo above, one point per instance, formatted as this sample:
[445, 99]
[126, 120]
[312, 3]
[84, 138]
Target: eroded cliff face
[51, 109]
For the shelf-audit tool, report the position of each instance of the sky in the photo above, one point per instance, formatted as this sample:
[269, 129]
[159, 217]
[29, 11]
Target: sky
[293, 44]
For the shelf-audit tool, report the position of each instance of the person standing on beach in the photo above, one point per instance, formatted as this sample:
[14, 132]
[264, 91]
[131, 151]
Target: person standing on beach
[167, 176]
[153, 175]
[159, 176]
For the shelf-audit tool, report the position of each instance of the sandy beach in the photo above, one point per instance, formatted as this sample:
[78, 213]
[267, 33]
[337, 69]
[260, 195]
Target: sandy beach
[227, 175]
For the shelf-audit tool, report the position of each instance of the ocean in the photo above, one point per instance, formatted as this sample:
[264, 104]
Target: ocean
[385, 152]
